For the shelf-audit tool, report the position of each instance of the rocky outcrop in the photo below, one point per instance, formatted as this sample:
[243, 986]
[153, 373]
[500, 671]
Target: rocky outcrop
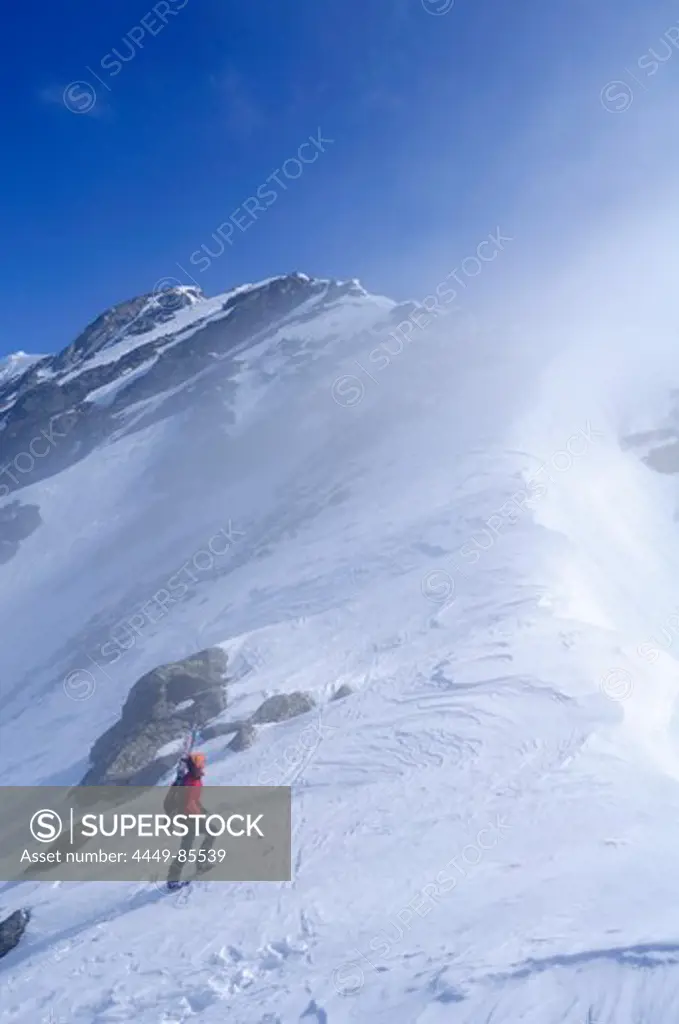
[12, 929]
[161, 707]
[283, 706]
[664, 459]
[17, 522]
[278, 708]
[245, 736]
[133, 316]
[341, 692]
[659, 449]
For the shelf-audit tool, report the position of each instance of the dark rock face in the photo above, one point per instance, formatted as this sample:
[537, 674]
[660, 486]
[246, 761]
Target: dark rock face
[17, 522]
[283, 706]
[341, 692]
[665, 459]
[659, 449]
[12, 929]
[134, 316]
[272, 300]
[244, 738]
[161, 707]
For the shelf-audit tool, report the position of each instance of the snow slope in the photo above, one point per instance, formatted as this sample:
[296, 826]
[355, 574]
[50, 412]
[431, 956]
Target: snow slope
[484, 830]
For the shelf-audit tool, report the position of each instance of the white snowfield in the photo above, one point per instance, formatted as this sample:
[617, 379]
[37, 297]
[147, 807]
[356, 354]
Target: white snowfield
[484, 831]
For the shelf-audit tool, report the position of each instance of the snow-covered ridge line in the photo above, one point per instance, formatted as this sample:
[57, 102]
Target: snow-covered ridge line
[480, 770]
[157, 354]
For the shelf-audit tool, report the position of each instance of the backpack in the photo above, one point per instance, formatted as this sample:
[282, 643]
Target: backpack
[173, 802]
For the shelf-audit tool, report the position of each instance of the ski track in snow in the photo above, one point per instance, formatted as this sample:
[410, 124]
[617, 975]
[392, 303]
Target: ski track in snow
[477, 758]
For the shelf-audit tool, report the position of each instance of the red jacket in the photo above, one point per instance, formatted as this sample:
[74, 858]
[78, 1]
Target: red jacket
[192, 804]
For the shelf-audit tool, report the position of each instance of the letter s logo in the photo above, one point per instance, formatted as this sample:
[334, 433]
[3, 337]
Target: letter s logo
[46, 826]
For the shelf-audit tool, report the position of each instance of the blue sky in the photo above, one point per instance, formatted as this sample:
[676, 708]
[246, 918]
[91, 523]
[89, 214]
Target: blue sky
[441, 125]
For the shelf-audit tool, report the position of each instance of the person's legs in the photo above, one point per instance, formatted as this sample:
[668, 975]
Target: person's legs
[205, 846]
[177, 865]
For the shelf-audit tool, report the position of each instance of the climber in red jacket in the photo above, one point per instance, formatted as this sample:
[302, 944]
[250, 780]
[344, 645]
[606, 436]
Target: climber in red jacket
[193, 782]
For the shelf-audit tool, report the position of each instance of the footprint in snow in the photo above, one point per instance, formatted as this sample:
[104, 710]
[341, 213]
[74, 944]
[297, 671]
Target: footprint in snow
[227, 956]
[273, 954]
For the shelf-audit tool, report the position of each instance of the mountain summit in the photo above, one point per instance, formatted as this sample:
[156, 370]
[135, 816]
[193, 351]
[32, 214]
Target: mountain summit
[152, 356]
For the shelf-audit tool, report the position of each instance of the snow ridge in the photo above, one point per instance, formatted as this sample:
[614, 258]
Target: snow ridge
[462, 542]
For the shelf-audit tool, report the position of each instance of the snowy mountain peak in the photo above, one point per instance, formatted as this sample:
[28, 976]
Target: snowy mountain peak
[15, 365]
[175, 352]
